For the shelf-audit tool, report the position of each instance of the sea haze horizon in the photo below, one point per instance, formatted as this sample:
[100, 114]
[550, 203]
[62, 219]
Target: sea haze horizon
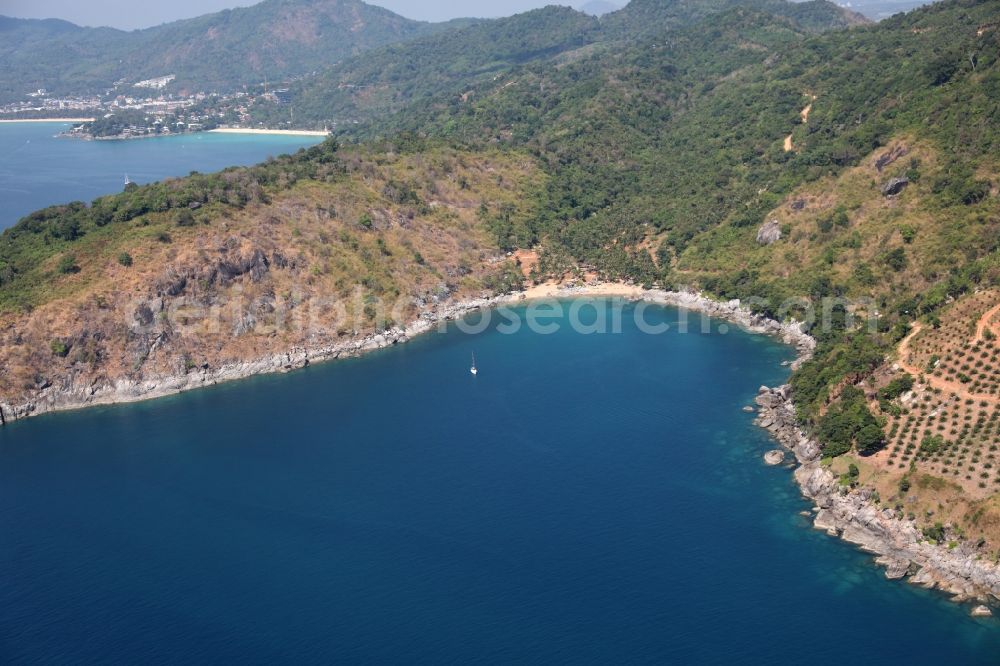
[37, 169]
[584, 498]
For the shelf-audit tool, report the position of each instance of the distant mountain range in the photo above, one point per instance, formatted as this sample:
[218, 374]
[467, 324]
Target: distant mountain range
[287, 39]
[221, 51]
[452, 63]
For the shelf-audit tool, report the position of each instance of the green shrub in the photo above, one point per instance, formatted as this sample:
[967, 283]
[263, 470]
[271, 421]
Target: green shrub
[846, 421]
[185, 218]
[935, 534]
[896, 388]
[67, 264]
[931, 444]
[896, 259]
[871, 439]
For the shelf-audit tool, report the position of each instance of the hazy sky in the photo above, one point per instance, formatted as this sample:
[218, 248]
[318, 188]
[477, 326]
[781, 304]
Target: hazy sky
[132, 14]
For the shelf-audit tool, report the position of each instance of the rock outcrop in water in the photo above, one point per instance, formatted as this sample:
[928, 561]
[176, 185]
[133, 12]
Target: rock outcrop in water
[775, 457]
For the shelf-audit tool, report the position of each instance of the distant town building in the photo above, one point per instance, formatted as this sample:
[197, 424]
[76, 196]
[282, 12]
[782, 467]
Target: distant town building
[157, 83]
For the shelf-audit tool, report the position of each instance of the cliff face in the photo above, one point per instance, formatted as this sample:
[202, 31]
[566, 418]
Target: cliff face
[77, 390]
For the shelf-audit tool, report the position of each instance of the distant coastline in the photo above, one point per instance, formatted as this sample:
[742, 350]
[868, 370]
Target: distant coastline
[46, 120]
[86, 136]
[240, 130]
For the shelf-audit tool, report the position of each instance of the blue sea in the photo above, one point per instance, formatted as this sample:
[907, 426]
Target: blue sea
[586, 499]
[38, 170]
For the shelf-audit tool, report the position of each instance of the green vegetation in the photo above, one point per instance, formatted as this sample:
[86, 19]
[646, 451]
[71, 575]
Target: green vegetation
[665, 141]
[935, 533]
[434, 67]
[647, 18]
[896, 388]
[67, 264]
[134, 122]
[26, 247]
[449, 71]
[847, 422]
[931, 444]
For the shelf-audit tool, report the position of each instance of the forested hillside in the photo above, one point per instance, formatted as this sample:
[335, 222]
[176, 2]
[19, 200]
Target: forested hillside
[451, 64]
[683, 135]
[385, 80]
[652, 17]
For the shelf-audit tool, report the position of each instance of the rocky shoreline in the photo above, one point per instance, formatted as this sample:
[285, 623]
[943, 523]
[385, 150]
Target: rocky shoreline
[70, 396]
[856, 516]
[851, 514]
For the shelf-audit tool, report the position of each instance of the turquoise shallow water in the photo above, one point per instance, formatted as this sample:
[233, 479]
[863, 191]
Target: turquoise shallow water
[38, 170]
[585, 499]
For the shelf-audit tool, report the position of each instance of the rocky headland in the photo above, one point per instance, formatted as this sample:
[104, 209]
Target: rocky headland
[856, 515]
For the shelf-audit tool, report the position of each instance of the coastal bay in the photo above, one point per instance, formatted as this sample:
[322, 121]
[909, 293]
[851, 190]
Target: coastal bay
[532, 526]
[857, 516]
[667, 335]
[38, 170]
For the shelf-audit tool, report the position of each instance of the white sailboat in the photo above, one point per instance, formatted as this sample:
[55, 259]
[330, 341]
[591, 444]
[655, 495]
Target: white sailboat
[474, 370]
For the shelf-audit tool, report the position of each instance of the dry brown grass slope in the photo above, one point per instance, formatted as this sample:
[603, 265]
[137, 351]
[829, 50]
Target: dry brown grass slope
[310, 268]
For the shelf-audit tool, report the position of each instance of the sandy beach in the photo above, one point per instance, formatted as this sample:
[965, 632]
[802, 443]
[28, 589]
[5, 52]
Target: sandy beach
[599, 289]
[240, 130]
